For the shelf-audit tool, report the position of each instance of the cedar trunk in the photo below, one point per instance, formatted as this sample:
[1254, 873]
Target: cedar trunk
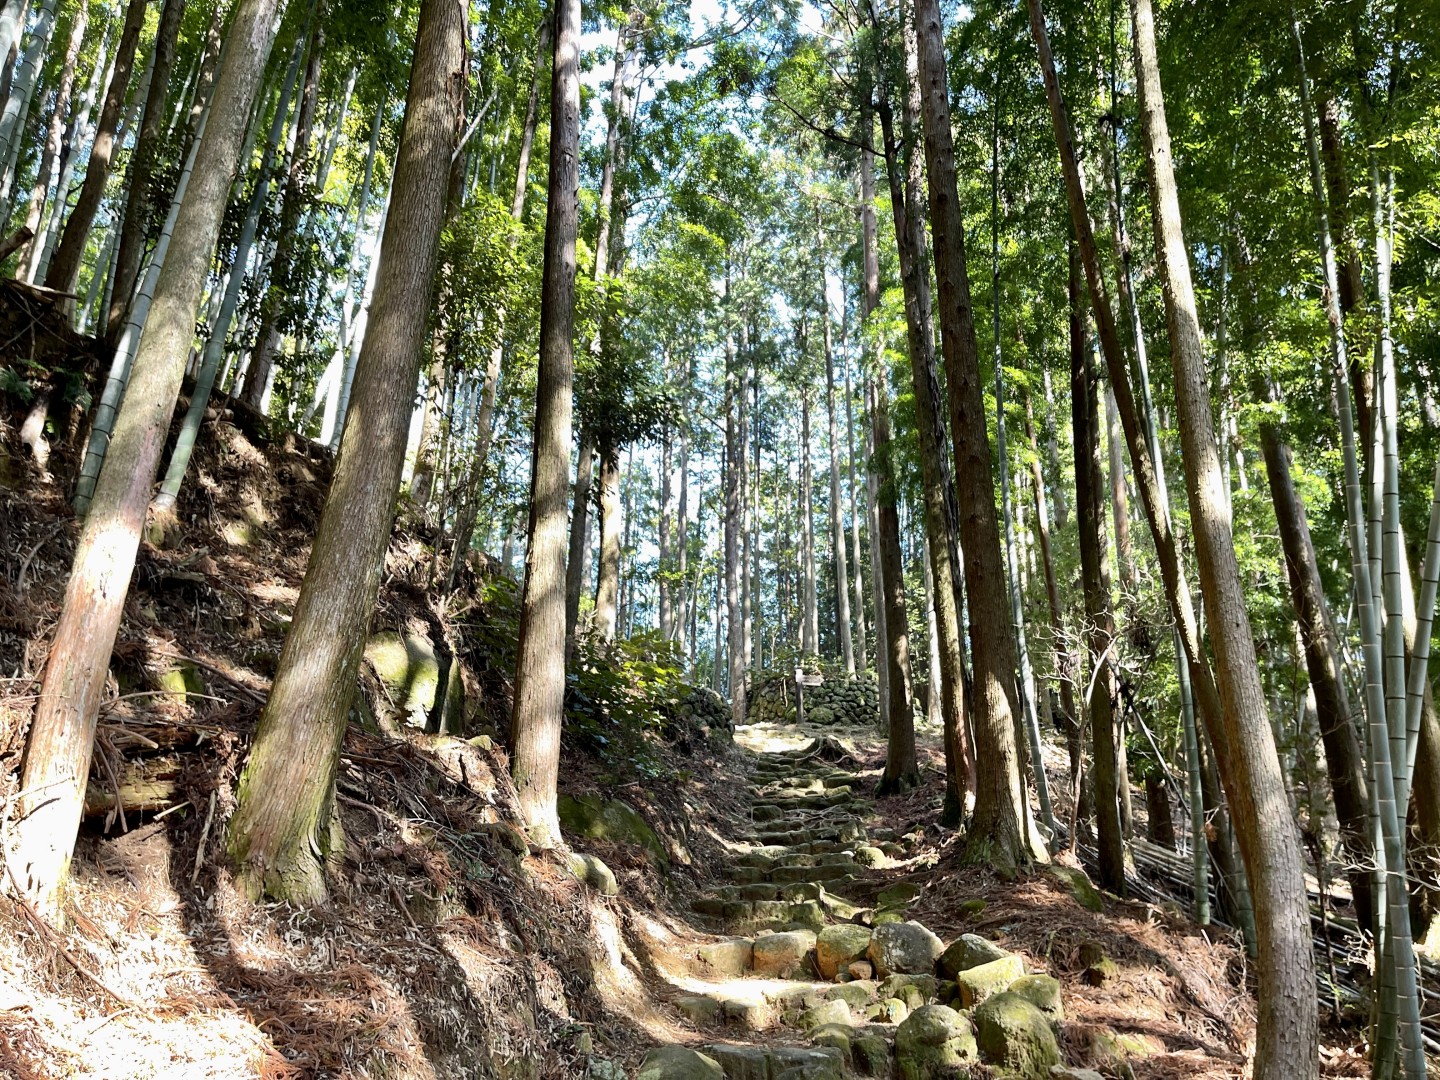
[1286, 1037]
[540, 661]
[998, 833]
[57, 760]
[1095, 579]
[282, 826]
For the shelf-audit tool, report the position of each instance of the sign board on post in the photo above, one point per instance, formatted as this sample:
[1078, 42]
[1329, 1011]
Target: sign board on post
[803, 679]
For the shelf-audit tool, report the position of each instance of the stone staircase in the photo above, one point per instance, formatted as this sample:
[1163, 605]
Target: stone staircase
[802, 983]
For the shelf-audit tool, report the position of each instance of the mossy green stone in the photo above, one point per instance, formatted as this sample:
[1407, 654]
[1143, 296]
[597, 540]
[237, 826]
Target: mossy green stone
[979, 983]
[600, 819]
[1043, 992]
[1014, 1035]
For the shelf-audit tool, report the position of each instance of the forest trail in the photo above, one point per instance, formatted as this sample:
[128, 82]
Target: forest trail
[821, 967]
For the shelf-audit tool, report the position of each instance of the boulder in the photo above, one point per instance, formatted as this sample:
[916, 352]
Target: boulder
[679, 1063]
[741, 1062]
[838, 946]
[1043, 992]
[730, 957]
[1015, 1036]
[979, 983]
[968, 951]
[1079, 886]
[782, 954]
[593, 872]
[410, 670]
[861, 969]
[932, 1042]
[807, 1063]
[699, 1008]
[856, 994]
[831, 1012]
[870, 1055]
[602, 819]
[905, 948]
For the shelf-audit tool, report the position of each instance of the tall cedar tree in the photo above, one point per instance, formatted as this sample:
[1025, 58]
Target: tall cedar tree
[62, 734]
[285, 805]
[540, 658]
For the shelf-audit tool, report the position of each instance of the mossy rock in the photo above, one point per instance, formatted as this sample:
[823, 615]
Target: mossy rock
[679, 1063]
[986, 980]
[968, 951]
[1079, 886]
[1043, 992]
[410, 669]
[837, 946]
[933, 1042]
[600, 819]
[1013, 1035]
[181, 681]
[593, 872]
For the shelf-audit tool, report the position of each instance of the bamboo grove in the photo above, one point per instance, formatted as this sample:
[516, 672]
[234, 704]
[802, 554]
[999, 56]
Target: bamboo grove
[1070, 368]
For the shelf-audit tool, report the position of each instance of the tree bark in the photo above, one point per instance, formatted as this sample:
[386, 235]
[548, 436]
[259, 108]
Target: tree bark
[65, 266]
[940, 512]
[1064, 659]
[62, 733]
[837, 520]
[607, 575]
[902, 771]
[283, 825]
[1286, 1035]
[1095, 579]
[998, 834]
[540, 663]
[734, 465]
[810, 618]
[142, 166]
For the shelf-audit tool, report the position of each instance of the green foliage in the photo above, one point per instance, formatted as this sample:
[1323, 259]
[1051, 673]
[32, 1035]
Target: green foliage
[620, 696]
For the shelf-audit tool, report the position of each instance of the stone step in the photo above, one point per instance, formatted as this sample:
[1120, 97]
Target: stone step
[847, 832]
[752, 916]
[839, 796]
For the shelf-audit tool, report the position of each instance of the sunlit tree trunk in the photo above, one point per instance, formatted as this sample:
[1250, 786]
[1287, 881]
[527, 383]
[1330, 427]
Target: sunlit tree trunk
[862, 650]
[902, 771]
[540, 660]
[940, 512]
[837, 520]
[998, 833]
[1140, 436]
[607, 576]
[57, 759]
[1063, 657]
[1286, 1035]
[1026, 682]
[283, 827]
[810, 617]
[733, 571]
